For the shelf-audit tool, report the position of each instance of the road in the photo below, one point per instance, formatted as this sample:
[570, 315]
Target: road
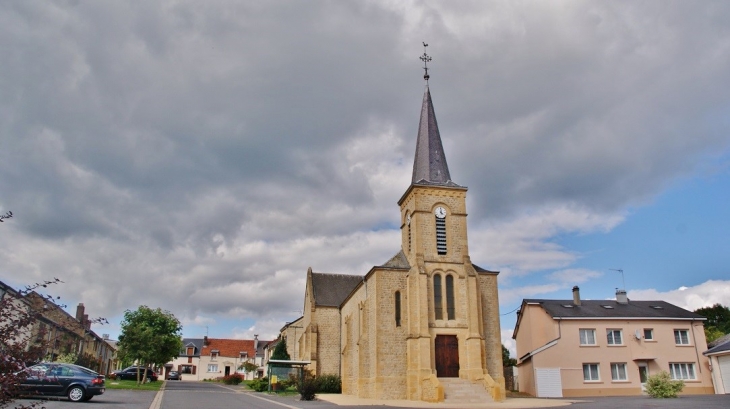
[196, 395]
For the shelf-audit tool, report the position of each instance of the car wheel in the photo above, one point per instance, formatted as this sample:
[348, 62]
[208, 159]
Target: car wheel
[76, 394]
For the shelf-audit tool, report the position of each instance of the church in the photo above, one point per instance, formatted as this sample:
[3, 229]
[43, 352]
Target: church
[426, 317]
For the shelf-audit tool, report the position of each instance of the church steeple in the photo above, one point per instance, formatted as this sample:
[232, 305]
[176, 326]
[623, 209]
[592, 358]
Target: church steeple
[429, 165]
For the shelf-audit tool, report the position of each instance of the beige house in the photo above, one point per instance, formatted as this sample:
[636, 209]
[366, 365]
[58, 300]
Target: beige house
[577, 347]
[210, 358]
[423, 322]
[719, 356]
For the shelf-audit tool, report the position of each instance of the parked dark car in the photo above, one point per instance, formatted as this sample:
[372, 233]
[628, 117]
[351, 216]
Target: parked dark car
[79, 384]
[130, 373]
[173, 376]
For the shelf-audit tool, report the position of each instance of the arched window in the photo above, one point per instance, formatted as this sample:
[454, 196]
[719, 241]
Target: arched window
[437, 301]
[397, 308]
[450, 312]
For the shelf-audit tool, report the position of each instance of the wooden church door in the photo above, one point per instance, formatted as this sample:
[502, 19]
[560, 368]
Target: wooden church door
[447, 356]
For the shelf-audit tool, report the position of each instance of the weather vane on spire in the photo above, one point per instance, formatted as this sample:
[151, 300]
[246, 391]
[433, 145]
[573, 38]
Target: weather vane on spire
[426, 59]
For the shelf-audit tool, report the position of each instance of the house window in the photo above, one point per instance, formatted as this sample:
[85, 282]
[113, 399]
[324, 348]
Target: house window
[244, 354]
[397, 308]
[213, 354]
[212, 367]
[590, 373]
[681, 337]
[437, 304]
[588, 337]
[682, 371]
[618, 372]
[613, 337]
[648, 334]
[188, 369]
[441, 235]
[450, 311]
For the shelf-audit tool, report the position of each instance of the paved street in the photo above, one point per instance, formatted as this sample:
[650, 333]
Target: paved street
[196, 395]
[111, 399]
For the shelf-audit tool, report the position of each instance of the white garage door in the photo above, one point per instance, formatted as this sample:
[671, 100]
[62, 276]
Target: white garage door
[724, 362]
[548, 383]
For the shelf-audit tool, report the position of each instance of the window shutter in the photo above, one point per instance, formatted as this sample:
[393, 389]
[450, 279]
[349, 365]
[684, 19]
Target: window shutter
[194, 369]
[179, 369]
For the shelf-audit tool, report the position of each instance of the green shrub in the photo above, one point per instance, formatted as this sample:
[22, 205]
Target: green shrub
[329, 383]
[307, 386]
[259, 384]
[662, 386]
[233, 379]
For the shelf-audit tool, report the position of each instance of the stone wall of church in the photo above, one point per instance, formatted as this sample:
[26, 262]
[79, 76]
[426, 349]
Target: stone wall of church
[327, 321]
[352, 327]
[492, 333]
[391, 368]
[373, 347]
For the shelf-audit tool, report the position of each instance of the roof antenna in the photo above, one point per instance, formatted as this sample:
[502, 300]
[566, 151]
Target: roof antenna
[622, 276]
[426, 59]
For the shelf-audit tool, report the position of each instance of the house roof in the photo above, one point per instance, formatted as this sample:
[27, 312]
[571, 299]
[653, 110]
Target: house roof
[718, 346]
[612, 309]
[330, 290]
[230, 347]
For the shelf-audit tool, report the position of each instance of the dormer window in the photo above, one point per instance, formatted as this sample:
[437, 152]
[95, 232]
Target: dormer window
[190, 351]
[244, 355]
[214, 354]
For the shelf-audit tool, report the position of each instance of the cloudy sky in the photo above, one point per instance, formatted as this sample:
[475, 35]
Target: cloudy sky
[200, 156]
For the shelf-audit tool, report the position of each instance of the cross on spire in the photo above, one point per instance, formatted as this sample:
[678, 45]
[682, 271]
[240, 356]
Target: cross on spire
[426, 59]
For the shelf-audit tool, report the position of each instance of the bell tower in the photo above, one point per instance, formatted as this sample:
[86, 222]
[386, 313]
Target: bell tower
[452, 316]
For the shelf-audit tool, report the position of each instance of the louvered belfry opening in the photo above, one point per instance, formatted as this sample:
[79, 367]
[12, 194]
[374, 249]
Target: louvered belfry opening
[441, 236]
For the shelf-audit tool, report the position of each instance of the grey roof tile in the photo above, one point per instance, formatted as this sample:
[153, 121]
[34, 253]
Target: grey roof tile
[429, 165]
[397, 261]
[330, 290]
[597, 309]
[719, 345]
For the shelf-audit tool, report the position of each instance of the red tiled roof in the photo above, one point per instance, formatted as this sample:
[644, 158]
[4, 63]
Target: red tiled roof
[229, 347]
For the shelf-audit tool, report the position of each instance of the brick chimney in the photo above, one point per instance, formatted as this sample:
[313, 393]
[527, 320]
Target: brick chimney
[80, 313]
[576, 295]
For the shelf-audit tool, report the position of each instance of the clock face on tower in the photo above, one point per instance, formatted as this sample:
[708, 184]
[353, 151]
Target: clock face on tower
[440, 212]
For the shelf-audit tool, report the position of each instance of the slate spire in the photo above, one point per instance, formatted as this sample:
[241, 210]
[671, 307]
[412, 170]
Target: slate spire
[429, 166]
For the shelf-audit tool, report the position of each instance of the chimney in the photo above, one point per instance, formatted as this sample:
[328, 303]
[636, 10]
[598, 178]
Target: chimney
[576, 295]
[80, 313]
[105, 337]
[205, 341]
[86, 323]
[256, 343]
[621, 297]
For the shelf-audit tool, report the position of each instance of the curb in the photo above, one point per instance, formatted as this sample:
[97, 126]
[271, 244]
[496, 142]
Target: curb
[157, 401]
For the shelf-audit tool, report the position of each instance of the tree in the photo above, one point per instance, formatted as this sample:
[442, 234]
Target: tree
[506, 360]
[280, 351]
[150, 337]
[718, 321]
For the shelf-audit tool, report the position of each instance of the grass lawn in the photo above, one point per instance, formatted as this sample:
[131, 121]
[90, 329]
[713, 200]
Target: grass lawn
[118, 384]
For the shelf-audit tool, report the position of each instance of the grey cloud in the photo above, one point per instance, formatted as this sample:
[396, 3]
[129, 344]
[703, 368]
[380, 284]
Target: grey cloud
[141, 140]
